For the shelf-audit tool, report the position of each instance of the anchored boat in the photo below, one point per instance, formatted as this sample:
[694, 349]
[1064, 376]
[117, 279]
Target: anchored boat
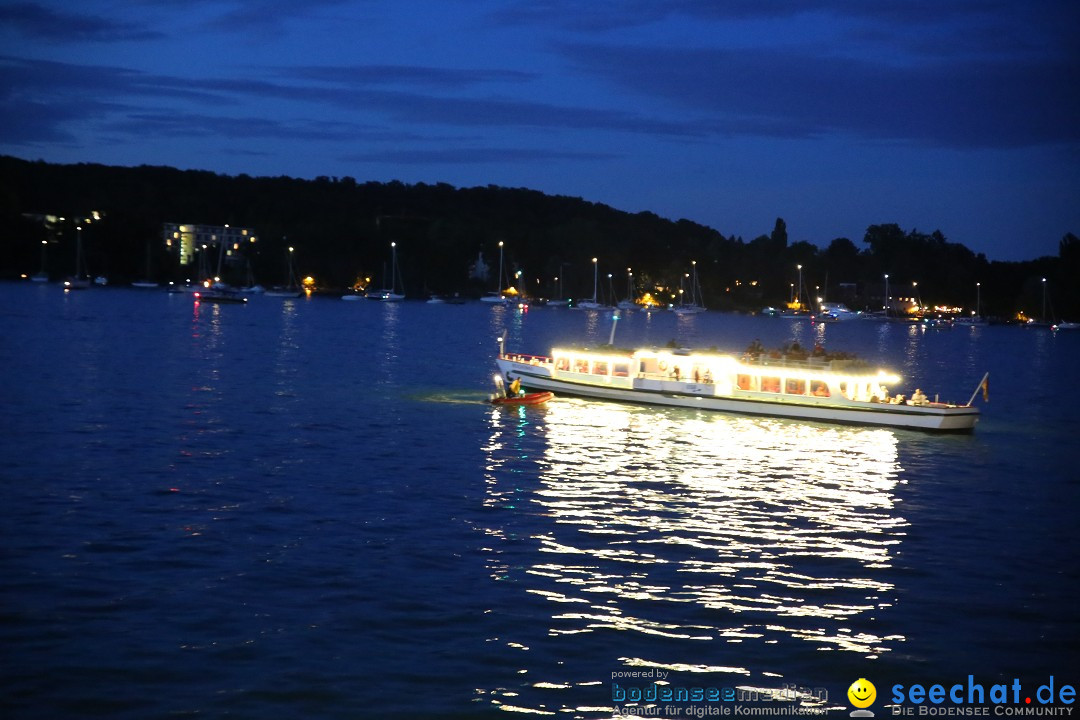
[815, 388]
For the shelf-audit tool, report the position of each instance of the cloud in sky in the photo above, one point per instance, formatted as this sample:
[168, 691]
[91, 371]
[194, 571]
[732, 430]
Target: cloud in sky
[981, 103]
[726, 113]
[40, 22]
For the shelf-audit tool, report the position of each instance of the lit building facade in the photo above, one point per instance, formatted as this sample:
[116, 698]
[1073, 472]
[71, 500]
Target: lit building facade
[190, 243]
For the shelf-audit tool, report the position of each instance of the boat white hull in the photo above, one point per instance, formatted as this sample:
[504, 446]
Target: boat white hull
[385, 296]
[700, 396]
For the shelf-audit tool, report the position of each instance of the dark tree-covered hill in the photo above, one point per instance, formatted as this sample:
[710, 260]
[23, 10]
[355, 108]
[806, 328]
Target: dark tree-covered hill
[342, 230]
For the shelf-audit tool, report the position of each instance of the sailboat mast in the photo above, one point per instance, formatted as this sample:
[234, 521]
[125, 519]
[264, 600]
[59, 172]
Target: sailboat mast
[221, 252]
[393, 267]
[594, 279]
[1044, 300]
[499, 282]
[694, 285]
[79, 258]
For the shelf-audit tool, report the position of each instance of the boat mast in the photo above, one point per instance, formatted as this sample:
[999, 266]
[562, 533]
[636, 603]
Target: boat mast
[799, 294]
[594, 276]
[221, 252]
[393, 268]
[499, 281]
[79, 257]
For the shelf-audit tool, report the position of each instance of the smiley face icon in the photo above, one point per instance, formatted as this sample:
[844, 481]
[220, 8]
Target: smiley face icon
[862, 693]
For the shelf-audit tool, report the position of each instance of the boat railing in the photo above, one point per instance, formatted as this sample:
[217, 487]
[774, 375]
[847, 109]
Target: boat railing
[527, 359]
[807, 363]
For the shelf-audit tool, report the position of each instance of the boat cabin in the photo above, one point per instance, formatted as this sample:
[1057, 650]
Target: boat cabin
[715, 374]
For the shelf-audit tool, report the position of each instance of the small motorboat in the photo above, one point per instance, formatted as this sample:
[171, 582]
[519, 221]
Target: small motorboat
[515, 396]
[535, 398]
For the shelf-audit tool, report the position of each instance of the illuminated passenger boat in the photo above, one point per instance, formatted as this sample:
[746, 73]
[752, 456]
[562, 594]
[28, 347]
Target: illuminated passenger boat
[841, 391]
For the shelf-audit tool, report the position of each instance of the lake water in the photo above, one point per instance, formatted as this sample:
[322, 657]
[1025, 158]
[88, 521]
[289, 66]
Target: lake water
[305, 509]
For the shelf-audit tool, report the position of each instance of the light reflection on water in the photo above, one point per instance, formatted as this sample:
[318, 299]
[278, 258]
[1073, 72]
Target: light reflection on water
[700, 528]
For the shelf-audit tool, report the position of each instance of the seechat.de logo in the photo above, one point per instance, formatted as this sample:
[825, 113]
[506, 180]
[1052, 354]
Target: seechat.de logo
[862, 694]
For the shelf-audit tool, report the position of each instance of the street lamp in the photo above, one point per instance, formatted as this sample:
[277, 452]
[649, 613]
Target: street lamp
[886, 294]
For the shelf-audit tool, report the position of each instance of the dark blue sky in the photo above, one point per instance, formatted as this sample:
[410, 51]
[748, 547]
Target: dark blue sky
[833, 114]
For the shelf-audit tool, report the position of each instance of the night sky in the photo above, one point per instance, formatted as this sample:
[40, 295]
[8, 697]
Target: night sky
[833, 114]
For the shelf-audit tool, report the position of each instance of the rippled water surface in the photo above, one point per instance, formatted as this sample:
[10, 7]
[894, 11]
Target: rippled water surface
[304, 508]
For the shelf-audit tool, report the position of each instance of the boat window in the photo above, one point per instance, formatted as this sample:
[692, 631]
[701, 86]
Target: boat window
[581, 365]
[795, 387]
[745, 382]
[600, 367]
[770, 384]
[620, 369]
[562, 364]
[819, 389]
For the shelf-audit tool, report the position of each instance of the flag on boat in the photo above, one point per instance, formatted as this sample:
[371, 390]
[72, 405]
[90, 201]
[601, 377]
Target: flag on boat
[986, 387]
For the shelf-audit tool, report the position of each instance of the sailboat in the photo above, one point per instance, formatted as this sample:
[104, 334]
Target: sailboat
[976, 317]
[560, 301]
[1044, 320]
[594, 302]
[81, 281]
[696, 303]
[1048, 319]
[146, 282]
[252, 287]
[292, 287]
[628, 303]
[391, 293]
[496, 297]
[42, 275]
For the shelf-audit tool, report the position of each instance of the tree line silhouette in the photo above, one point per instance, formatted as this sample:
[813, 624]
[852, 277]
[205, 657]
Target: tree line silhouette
[342, 230]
